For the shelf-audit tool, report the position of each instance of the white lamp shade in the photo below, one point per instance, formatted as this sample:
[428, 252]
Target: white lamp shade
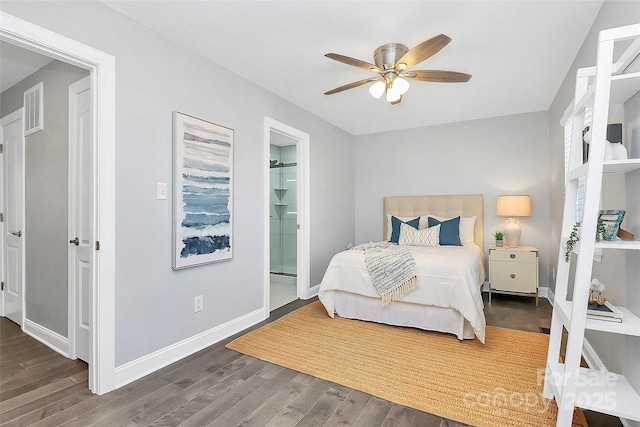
[400, 85]
[377, 89]
[393, 95]
[513, 206]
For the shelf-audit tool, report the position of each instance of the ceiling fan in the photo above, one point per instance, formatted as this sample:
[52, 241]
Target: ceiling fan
[392, 63]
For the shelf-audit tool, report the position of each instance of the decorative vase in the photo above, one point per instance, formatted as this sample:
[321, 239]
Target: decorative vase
[512, 232]
[499, 243]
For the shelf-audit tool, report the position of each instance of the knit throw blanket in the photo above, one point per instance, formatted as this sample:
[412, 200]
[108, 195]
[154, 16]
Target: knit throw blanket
[392, 269]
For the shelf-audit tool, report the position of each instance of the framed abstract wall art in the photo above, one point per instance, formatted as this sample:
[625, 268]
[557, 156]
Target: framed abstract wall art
[202, 192]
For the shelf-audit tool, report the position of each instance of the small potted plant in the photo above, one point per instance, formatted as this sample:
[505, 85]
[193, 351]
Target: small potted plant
[499, 238]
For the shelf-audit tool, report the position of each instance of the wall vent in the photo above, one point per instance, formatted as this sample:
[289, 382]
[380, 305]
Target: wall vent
[33, 109]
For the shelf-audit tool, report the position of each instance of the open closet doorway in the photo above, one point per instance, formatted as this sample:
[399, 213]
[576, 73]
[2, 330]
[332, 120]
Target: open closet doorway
[286, 215]
[101, 239]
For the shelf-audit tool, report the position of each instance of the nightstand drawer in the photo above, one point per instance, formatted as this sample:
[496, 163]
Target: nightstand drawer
[514, 277]
[514, 257]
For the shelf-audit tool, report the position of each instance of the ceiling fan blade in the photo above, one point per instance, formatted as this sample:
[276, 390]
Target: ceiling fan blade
[437, 76]
[351, 85]
[352, 61]
[423, 51]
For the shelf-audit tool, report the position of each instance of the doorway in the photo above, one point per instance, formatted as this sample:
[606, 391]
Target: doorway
[282, 220]
[102, 73]
[286, 172]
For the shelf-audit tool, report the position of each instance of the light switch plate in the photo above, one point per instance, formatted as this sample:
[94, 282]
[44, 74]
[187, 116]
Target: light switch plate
[161, 191]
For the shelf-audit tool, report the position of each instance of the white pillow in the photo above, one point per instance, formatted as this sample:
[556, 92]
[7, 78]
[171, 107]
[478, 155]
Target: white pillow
[467, 225]
[409, 236]
[401, 218]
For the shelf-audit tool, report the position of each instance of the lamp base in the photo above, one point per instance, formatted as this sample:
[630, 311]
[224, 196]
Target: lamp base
[512, 232]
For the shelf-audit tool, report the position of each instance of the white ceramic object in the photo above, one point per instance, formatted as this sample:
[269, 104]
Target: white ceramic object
[619, 152]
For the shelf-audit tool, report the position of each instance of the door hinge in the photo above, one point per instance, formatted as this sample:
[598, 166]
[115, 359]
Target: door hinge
[97, 245]
[1, 286]
[1, 217]
[1, 148]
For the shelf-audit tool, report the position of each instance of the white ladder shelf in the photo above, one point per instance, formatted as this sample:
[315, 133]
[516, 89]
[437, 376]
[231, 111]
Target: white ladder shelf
[572, 386]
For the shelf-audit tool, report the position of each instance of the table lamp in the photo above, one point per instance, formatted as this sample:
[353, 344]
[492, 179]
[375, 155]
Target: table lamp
[513, 206]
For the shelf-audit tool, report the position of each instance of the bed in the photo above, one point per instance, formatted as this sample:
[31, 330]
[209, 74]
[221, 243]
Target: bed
[448, 298]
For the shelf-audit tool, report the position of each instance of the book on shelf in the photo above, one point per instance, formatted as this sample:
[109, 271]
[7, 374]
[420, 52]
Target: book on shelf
[605, 318]
[606, 311]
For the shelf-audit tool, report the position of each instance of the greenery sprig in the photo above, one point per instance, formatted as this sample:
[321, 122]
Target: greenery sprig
[498, 235]
[574, 237]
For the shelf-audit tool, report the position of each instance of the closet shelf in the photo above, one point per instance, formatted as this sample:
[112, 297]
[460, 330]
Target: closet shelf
[609, 166]
[630, 324]
[623, 87]
[599, 391]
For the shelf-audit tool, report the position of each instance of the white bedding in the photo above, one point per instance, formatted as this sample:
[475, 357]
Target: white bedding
[448, 277]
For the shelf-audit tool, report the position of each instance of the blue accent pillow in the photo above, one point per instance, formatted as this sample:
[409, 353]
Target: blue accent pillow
[449, 231]
[395, 227]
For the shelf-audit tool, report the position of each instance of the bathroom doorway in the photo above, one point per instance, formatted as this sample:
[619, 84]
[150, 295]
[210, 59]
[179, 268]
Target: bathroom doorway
[286, 214]
[283, 220]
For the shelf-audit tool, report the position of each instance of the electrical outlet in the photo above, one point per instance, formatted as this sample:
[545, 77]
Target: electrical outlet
[197, 304]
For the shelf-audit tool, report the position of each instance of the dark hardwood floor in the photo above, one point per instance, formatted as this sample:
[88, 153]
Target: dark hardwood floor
[215, 387]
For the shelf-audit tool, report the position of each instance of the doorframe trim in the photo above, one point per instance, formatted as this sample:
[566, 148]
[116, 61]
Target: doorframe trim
[102, 71]
[302, 201]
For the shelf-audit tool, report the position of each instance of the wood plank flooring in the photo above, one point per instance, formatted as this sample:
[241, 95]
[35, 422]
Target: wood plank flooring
[214, 387]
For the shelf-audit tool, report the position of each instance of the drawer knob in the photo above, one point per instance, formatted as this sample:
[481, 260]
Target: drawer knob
[512, 256]
[513, 276]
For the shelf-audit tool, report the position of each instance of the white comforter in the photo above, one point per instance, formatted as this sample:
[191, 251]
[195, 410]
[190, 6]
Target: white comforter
[448, 277]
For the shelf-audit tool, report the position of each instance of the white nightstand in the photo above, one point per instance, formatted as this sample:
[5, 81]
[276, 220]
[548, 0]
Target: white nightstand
[513, 271]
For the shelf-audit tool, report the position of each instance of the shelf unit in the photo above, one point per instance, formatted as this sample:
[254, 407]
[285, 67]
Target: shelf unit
[572, 386]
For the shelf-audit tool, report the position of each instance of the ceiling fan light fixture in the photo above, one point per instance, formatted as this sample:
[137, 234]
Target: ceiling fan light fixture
[393, 95]
[400, 85]
[377, 89]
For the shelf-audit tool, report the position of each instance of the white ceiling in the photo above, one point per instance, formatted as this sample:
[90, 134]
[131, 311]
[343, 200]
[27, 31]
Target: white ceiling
[17, 63]
[517, 51]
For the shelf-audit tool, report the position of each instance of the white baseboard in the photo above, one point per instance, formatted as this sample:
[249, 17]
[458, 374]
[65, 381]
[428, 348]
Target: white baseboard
[51, 339]
[543, 292]
[145, 365]
[550, 295]
[313, 292]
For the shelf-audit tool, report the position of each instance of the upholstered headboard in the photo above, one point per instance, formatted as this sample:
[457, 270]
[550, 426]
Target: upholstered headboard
[465, 205]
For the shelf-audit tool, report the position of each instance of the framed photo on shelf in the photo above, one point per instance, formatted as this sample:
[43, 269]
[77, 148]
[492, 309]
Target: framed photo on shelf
[202, 192]
[611, 220]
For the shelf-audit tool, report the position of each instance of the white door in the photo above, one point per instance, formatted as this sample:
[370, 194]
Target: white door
[13, 216]
[81, 242]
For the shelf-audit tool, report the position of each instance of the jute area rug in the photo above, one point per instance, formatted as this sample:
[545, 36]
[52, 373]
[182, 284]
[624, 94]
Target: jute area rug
[496, 384]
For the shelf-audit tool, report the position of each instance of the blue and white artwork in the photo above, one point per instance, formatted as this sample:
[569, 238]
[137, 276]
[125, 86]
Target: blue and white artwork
[203, 192]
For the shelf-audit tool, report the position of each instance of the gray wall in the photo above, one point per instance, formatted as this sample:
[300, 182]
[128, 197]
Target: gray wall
[46, 160]
[503, 155]
[154, 77]
[619, 270]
